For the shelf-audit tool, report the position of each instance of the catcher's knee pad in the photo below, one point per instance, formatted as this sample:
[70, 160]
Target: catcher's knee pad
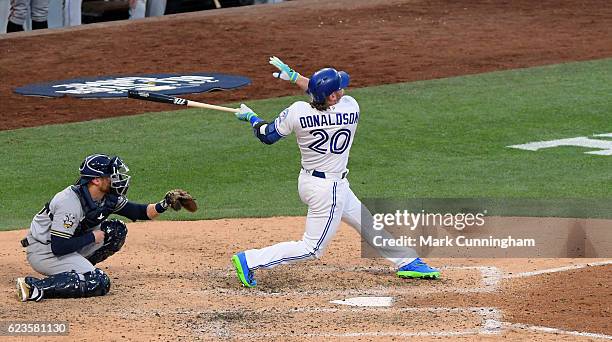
[97, 283]
[115, 232]
[74, 285]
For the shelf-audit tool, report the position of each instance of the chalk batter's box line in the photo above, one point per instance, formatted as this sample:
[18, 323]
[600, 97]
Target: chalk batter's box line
[557, 269]
[508, 325]
[489, 321]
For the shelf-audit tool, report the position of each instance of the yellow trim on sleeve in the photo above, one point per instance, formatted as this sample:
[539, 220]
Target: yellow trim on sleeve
[60, 234]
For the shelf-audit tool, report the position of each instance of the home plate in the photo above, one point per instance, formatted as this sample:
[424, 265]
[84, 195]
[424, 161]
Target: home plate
[365, 301]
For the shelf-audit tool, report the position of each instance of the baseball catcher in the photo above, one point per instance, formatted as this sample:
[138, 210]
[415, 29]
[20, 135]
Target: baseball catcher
[72, 233]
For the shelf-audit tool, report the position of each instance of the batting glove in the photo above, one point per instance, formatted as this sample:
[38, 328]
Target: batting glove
[285, 73]
[245, 113]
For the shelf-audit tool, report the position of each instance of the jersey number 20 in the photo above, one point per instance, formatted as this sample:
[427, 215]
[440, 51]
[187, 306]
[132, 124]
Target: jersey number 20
[338, 143]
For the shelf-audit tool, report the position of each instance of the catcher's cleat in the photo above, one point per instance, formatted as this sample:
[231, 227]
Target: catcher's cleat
[245, 275]
[28, 292]
[418, 269]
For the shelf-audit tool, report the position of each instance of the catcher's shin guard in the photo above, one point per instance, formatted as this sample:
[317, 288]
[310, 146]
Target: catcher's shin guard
[74, 285]
[115, 233]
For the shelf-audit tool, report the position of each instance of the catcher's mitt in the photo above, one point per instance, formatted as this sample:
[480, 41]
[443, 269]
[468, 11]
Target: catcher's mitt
[179, 198]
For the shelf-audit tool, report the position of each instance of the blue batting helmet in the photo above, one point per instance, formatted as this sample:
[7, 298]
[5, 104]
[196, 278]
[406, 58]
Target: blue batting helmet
[101, 165]
[325, 82]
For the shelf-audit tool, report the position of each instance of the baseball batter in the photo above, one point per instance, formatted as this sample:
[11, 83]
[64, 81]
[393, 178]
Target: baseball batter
[325, 130]
[71, 234]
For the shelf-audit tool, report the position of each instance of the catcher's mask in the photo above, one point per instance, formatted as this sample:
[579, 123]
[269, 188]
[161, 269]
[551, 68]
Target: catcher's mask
[325, 82]
[101, 165]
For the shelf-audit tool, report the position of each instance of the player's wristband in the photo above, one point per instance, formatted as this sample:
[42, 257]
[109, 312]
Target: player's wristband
[293, 76]
[161, 206]
[254, 119]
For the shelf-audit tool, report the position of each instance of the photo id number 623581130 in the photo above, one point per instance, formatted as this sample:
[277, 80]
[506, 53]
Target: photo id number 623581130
[34, 328]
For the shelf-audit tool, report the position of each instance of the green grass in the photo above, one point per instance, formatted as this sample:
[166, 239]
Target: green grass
[440, 138]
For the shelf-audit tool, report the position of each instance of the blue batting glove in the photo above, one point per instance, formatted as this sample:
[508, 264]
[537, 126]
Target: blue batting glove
[285, 72]
[245, 113]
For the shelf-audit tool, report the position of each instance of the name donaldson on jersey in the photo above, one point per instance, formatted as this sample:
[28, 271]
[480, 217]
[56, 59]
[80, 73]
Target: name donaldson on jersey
[329, 120]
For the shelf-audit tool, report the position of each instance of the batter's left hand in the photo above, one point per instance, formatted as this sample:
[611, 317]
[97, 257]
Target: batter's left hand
[245, 113]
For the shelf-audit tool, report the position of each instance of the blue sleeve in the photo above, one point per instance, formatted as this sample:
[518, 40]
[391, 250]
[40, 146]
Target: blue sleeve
[269, 135]
[134, 211]
[62, 246]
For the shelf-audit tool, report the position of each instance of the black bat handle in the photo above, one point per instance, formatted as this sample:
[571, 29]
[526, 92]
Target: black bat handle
[156, 97]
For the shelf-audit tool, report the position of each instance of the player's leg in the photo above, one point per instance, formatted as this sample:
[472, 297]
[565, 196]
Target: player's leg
[72, 12]
[358, 216]
[69, 276]
[325, 199]
[324, 215]
[69, 284]
[42, 260]
[17, 16]
[155, 8]
[5, 9]
[409, 265]
[40, 8]
[137, 10]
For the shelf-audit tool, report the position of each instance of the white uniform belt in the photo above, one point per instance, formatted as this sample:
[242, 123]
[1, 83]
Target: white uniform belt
[326, 175]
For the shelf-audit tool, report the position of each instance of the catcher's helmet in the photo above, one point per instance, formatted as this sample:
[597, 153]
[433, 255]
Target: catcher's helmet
[101, 165]
[326, 81]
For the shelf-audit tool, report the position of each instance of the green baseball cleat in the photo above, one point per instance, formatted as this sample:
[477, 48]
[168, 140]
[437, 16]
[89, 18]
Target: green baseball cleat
[419, 270]
[245, 275]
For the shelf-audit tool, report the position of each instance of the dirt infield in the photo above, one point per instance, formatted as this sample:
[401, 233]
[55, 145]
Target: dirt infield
[169, 285]
[173, 280]
[376, 41]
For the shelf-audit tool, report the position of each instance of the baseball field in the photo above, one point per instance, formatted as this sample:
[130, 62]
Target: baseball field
[451, 94]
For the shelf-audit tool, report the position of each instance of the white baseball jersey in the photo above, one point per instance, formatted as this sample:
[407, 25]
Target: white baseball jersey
[324, 137]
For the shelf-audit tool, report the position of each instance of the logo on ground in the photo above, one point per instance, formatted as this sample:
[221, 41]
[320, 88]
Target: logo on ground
[602, 147]
[117, 86]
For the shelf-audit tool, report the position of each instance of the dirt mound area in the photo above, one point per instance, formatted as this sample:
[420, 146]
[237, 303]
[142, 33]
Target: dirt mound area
[174, 281]
[576, 300]
[377, 41]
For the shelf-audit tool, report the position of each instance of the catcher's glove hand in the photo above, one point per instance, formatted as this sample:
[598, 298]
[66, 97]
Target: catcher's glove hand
[179, 198]
[115, 232]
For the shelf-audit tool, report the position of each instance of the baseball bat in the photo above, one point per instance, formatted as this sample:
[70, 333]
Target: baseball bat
[156, 97]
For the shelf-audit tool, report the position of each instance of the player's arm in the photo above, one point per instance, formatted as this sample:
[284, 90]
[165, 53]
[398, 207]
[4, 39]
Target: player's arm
[137, 211]
[63, 242]
[266, 132]
[176, 199]
[286, 73]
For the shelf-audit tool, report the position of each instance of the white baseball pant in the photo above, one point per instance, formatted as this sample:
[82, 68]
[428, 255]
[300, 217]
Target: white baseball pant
[330, 201]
